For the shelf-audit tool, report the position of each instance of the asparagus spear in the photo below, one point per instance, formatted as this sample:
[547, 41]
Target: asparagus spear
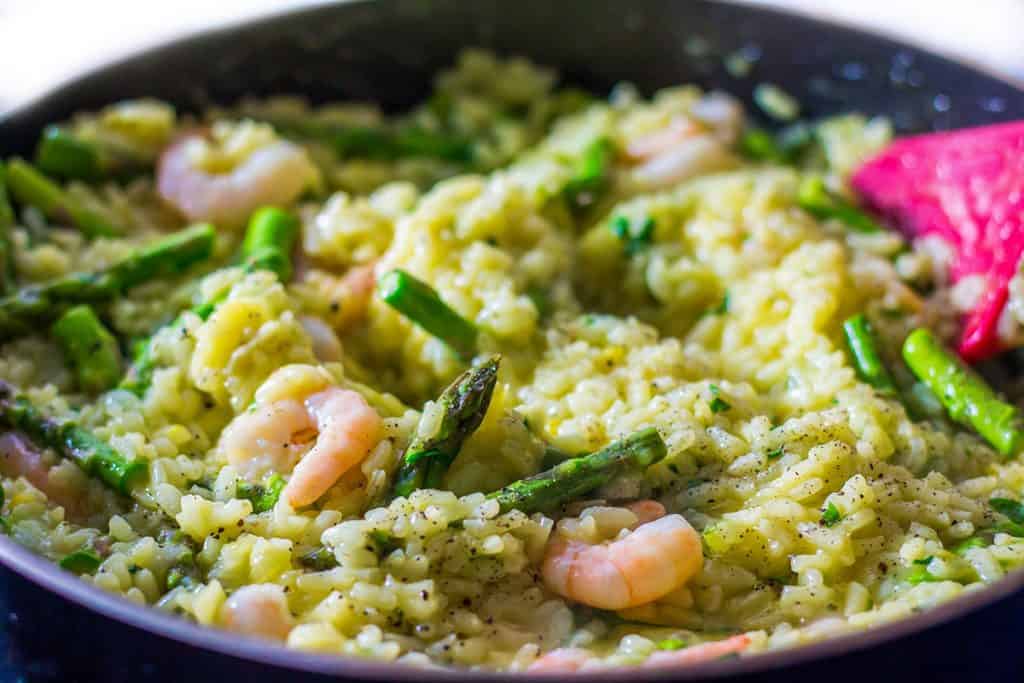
[61, 154]
[26, 309]
[591, 174]
[262, 497]
[967, 397]
[860, 338]
[464, 404]
[70, 441]
[377, 143]
[418, 302]
[578, 476]
[29, 186]
[267, 245]
[814, 198]
[785, 147]
[90, 348]
[7, 271]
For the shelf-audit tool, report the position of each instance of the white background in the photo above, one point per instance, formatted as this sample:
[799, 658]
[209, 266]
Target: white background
[44, 41]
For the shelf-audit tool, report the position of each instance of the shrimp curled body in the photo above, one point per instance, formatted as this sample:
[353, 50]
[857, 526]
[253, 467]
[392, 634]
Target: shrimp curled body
[651, 561]
[275, 174]
[568, 659]
[259, 610]
[274, 436]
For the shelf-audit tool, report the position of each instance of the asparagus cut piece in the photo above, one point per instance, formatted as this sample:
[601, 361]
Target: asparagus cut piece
[61, 154]
[437, 441]
[966, 396]
[816, 199]
[262, 496]
[29, 186]
[421, 304]
[28, 308]
[863, 346]
[96, 457]
[7, 267]
[81, 562]
[377, 143]
[90, 348]
[269, 239]
[577, 476]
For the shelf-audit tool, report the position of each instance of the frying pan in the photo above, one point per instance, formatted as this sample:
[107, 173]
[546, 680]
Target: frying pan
[59, 628]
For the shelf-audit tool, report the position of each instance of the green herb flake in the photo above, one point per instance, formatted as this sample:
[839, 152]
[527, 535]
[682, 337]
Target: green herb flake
[1011, 508]
[635, 234]
[925, 561]
[831, 515]
[671, 644]
[81, 562]
[718, 404]
[262, 497]
[775, 453]
[919, 574]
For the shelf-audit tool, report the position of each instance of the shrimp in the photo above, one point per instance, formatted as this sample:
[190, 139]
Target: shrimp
[651, 561]
[349, 295]
[560, 660]
[258, 610]
[276, 434]
[273, 174]
[20, 458]
[697, 653]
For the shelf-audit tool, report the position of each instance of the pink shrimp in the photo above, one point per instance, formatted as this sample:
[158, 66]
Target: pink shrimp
[654, 559]
[274, 174]
[695, 654]
[274, 436]
[646, 146]
[259, 610]
[349, 294]
[20, 458]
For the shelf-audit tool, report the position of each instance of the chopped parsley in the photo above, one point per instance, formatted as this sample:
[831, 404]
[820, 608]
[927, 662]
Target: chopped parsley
[718, 404]
[81, 562]
[775, 453]
[635, 234]
[262, 497]
[831, 515]
[1011, 508]
[722, 308]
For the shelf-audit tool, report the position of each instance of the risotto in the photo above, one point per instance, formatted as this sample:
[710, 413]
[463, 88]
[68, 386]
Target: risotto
[522, 379]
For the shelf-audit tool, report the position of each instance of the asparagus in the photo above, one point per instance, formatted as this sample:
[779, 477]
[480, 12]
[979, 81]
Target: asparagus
[860, 339]
[269, 239]
[377, 143]
[23, 311]
[578, 476]
[7, 270]
[63, 155]
[590, 176]
[785, 147]
[267, 245]
[967, 397]
[90, 348]
[418, 302]
[69, 440]
[463, 404]
[81, 562]
[814, 198]
[30, 186]
[262, 497]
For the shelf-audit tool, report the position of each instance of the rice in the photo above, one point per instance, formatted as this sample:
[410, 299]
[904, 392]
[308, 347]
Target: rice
[823, 506]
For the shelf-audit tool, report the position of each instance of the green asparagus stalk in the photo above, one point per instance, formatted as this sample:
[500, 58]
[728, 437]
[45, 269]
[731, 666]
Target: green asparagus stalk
[578, 476]
[967, 397]
[437, 442]
[7, 268]
[267, 245]
[377, 143]
[590, 176]
[69, 440]
[62, 155]
[418, 302]
[262, 496]
[860, 339]
[90, 348]
[784, 147]
[816, 199]
[28, 308]
[30, 186]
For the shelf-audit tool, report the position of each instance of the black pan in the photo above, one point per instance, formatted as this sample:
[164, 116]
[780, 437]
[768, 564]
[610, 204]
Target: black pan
[61, 629]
